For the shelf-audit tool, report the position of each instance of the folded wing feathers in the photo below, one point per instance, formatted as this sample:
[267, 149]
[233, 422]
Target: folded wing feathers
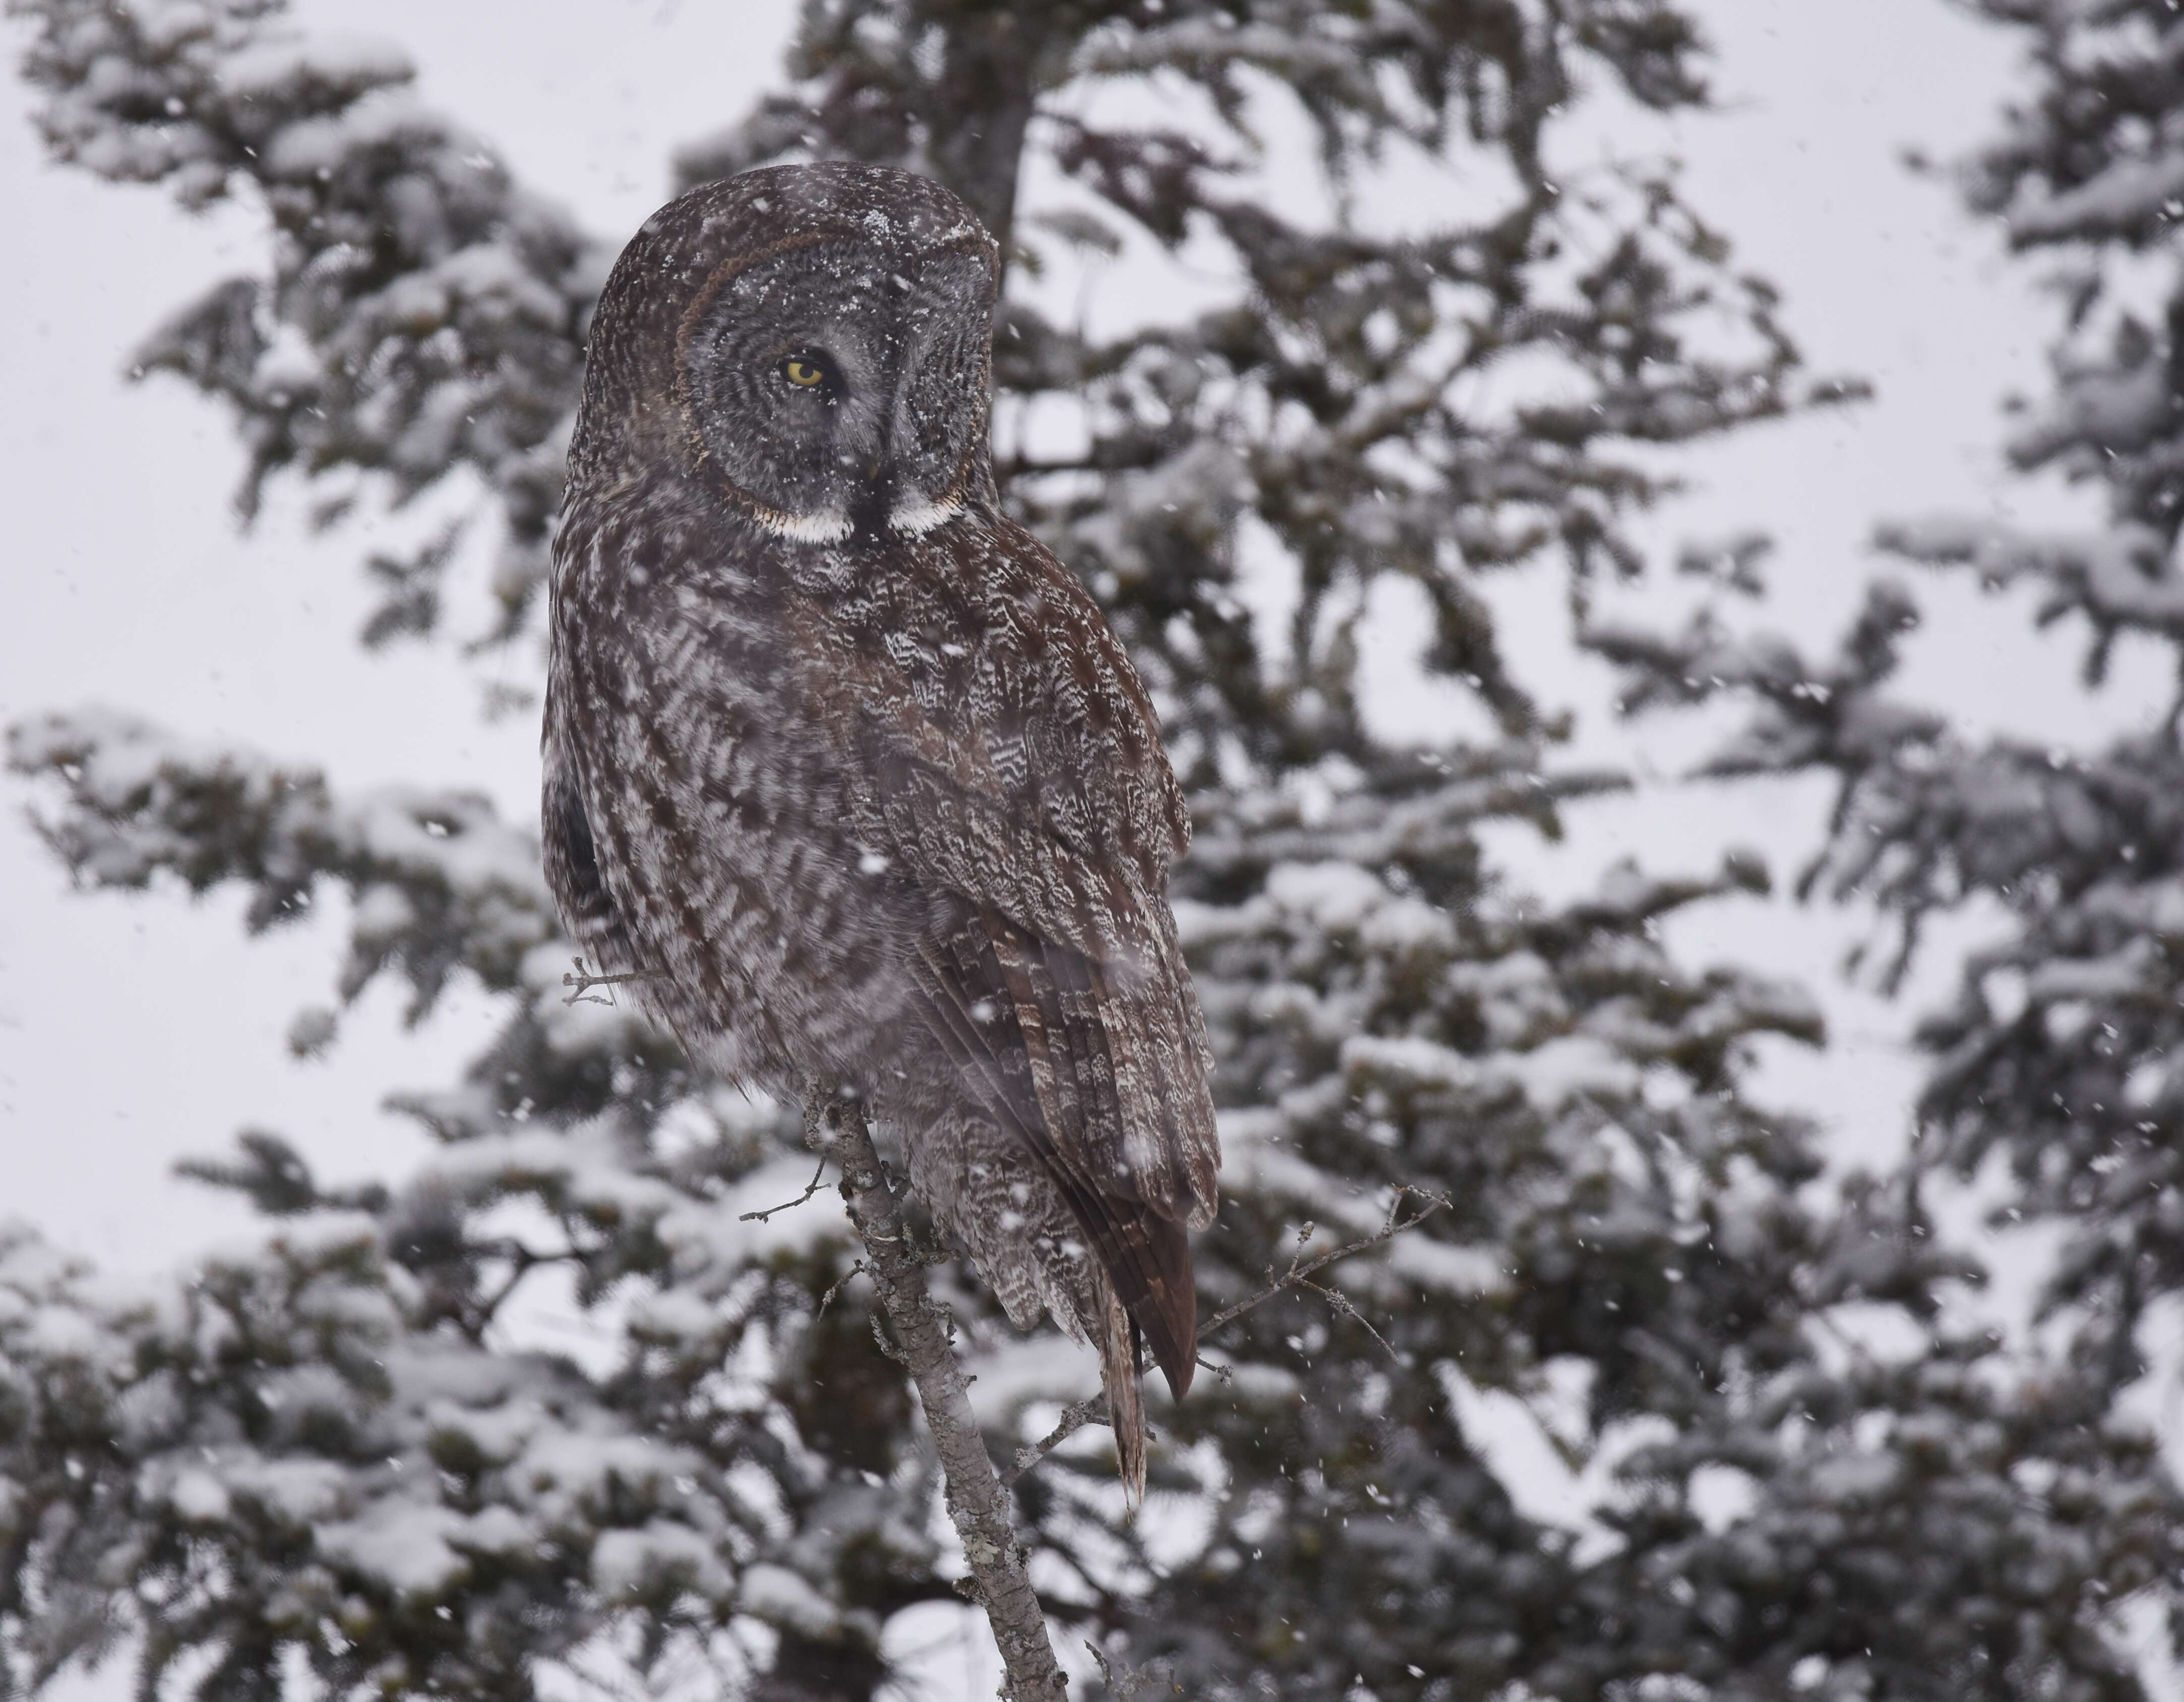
[1071, 1016]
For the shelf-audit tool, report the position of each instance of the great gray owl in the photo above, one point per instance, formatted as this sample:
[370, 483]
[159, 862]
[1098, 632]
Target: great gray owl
[848, 770]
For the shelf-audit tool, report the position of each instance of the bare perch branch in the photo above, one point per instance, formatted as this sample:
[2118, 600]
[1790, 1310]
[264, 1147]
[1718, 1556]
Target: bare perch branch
[1300, 1273]
[977, 1503]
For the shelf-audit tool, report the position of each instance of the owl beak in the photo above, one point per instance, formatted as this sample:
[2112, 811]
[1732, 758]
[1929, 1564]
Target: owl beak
[868, 504]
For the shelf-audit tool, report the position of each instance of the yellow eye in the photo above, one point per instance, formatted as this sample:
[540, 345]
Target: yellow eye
[804, 374]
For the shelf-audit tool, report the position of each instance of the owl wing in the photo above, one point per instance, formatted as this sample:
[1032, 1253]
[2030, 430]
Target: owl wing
[571, 854]
[989, 989]
[1051, 973]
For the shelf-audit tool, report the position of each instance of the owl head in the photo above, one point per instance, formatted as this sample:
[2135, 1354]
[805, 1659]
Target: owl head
[810, 342]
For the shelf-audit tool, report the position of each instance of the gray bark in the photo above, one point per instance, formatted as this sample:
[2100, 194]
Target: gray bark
[978, 1504]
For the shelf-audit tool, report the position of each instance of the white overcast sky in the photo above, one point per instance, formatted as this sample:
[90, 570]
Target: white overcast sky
[132, 1032]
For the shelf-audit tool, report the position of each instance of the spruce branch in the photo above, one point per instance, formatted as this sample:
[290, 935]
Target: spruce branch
[834, 1127]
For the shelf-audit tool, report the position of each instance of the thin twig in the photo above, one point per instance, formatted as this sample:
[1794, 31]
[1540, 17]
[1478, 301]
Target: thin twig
[490, 1310]
[1127, 1683]
[1346, 1308]
[584, 980]
[1300, 1271]
[521, 1261]
[1074, 1417]
[841, 1283]
[810, 1189]
[977, 1504]
[885, 1346]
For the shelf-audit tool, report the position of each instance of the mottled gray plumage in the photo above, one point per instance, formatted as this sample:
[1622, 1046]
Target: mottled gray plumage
[849, 769]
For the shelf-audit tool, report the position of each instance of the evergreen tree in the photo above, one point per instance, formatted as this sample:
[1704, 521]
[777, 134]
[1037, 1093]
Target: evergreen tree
[328, 1458]
[2053, 1079]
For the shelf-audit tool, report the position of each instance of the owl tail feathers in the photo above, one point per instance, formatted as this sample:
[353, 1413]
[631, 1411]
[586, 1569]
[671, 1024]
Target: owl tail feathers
[1126, 1408]
[1154, 1255]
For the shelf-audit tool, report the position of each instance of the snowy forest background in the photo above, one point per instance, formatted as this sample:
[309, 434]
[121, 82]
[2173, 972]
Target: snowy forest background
[1791, 1333]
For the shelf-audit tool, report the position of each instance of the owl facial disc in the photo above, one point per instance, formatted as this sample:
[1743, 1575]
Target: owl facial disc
[837, 379]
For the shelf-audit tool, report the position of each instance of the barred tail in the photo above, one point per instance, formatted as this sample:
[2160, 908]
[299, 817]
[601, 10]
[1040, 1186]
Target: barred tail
[1118, 1342]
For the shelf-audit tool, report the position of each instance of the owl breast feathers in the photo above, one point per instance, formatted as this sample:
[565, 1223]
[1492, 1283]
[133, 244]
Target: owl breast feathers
[849, 770]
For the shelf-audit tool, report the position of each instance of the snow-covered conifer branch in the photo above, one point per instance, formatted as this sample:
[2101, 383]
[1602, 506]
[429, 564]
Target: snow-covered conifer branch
[418, 311]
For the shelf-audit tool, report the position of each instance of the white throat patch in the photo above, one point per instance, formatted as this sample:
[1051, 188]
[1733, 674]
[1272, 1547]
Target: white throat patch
[804, 528]
[916, 519]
